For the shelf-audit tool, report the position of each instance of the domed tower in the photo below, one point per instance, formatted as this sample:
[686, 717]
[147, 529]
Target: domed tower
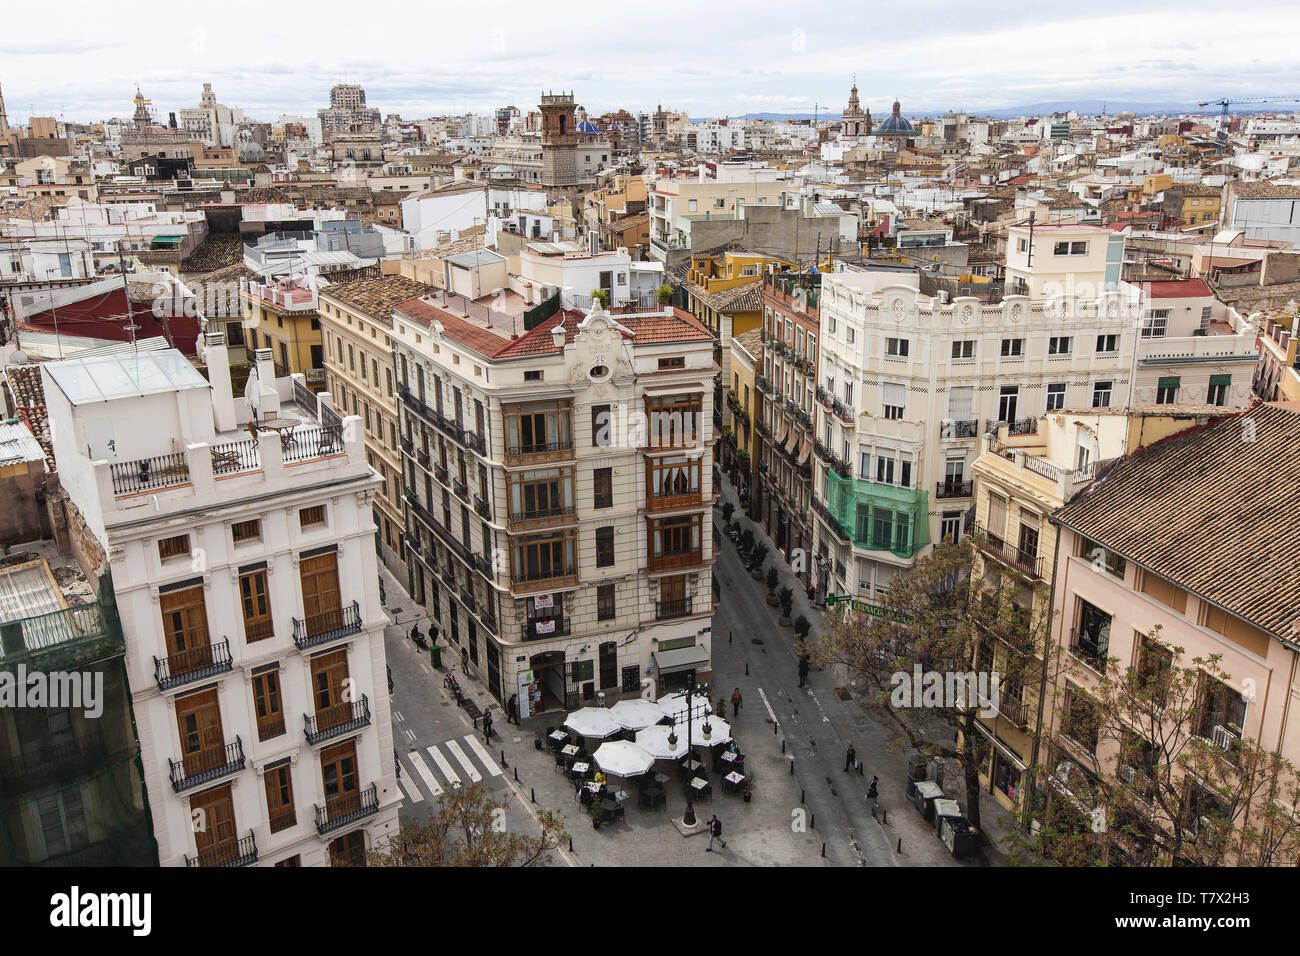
[142, 119]
[896, 126]
[857, 122]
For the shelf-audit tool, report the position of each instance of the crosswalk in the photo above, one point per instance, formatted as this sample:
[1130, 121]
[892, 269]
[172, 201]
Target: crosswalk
[451, 767]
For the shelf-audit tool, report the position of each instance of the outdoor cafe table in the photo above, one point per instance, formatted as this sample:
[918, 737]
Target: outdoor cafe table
[571, 750]
[592, 786]
[693, 765]
[661, 778]
[734, 779]
[559, 736]
[579, 768]
[732, 758]
[698, 785]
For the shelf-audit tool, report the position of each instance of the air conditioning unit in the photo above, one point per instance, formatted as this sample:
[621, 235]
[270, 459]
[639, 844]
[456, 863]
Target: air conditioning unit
[1223, 737]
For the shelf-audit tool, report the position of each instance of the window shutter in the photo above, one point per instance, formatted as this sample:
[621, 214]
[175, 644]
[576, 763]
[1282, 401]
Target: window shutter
[997, 519]
[959, 403]
[895, 394]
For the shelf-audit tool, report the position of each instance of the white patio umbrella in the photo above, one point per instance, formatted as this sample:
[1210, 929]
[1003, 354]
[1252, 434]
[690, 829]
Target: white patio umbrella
[654, 741]
[674, 706]
[636, 714]
[592, 722]
[623, 759]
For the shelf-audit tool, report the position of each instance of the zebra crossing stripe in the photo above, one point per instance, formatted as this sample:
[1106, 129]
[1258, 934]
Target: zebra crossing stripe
[411, 790]
[453, 781]
[484, 757]
[425, 773]
[474, 775]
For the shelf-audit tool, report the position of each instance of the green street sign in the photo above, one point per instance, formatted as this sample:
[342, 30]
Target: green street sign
[874, 610]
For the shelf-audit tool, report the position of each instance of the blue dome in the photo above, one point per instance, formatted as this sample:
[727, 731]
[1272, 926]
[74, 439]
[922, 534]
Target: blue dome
[587, 126]
[895, 125]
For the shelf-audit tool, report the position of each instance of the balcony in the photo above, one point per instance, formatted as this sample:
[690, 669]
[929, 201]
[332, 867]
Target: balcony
[241, 852]
[344, 810]
[310, 443]
[205, 766]
[53, 764]
[844, 413]
[475, 443]
[954, 489]
[483, 566]
[440, 472]
[541, 628]
[327, 626]
[1020, 426]
[1014, 711]
[467, 599]
[449, 428]
[540, 518]
[422, 456]
[673, 560]
[669, 502]
[525, 582]
[667, 610]
[538, 451]
[951, 428]
[236, 458]
[408, 445]
[1008, 554]
[149, 474]
[1091, 651]
[460, 489]
[337, 720]
[824, 398]
[832, 522]
[195, 663]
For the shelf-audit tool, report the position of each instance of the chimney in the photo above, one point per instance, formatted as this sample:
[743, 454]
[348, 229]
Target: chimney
[217, 357]
[268, 399]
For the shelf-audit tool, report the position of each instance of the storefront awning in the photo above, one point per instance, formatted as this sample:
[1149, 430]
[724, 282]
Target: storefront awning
[793, 442]
[805, 452]
[682, 659]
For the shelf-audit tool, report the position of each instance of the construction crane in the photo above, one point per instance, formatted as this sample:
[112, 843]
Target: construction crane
[1223, 116]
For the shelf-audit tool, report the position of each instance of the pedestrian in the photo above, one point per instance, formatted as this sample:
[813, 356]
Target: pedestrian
[433, 633]
[873, 794]
[812, 593]
[487, 725]
[464, 665]
[850, 758]
[803, 669]
[736, 700]
[512, 710]
[415, 633]
[715, 833]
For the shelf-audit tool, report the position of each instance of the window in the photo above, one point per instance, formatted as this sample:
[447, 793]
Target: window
[605, 602]
[603, 481]
[896, 348]
[256, 605]
[1092, 636]
[1223, 713]
[1167, 391]
[537, 428]
[894, 400]
[175, 547]
[672, 477]
[1101, 394]
[1022, 245]
[1008, 399]
[950, 527]
[1218, 393]
[1102, 559]
[309, 517]
[279, 798]
[601, 427]
[964, 349]
[1012, 348]
[1080, 720]
[1058, 345]
[533, 375]
[674, 421]
[268, 704]
[604, 546]
[608, 665]
[1070, 248]
[1108, 343]
[541, 557]
[1055, 396]
[1156, 324]
[677, 361]
[850, 335]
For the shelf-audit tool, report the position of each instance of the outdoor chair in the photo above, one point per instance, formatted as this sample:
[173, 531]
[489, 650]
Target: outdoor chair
[561, 761]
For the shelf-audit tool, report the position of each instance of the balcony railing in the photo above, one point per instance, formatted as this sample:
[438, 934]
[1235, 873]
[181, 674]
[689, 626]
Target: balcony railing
[540, 517]
[538, 451]
[341, 811]
[953, 489]
[666, 610]
[317, 441]
[440, 472]
[191, 664]
[825, 514]
[475, 443]
[1020, 426]
[467, 598]
[460, 489]
[242, 852]
[422, 457]
[670, 560]
[1023, 561]
[205, 766]
[327, 626]
[844, 413]
[1013, 710]
[337, 720]
[481, 506]
[483, 566]
[666, 502]
[1090, 650]
[52, 763]
[523, 580]
[149, 474]
[958, 428]
[236, 457]
[538, 628]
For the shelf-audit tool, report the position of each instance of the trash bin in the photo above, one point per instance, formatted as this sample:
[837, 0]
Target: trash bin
[600, 698]
[916, 764]
[944, 807]
[435, 655]
[927, 791]
[959, 835]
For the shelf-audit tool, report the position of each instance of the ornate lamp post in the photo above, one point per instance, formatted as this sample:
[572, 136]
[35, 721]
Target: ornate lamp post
[690, 694]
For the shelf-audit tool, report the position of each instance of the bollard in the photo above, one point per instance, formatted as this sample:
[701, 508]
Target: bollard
[884, 816]
[570, 844]
[746, 668]
[783, 746]
[729, 636]
[859, 768]
[774, 727]
[812, 821]
[803, 794]
[792, 766]
[900, 844]
[533, 794]
[516, 774]
[823, 850]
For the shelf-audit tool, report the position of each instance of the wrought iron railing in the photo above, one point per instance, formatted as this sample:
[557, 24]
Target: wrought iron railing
[242, 852]
[235, 457]
[191, 664]
[346, 809]
[337, 720]
[953, 489]
[149, 474]
[205, 766]
[326, 626]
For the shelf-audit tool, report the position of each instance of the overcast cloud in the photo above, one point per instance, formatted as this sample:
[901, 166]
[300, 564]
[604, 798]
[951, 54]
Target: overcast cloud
[426, 59]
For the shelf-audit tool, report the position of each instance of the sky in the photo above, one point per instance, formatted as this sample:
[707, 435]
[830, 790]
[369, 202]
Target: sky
[423, 59]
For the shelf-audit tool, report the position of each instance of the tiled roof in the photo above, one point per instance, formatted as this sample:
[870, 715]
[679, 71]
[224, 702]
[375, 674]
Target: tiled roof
[741, 298]
[1189, 190]
[1264, 190]
[28, 393]
[1178, 509]
[1178, 289]
[376, 297]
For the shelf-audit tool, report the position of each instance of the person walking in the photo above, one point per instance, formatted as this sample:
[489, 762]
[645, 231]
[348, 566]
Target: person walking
[512, 710]
[850, 758]
[415, 633]
[804, 667]
[487, 724]
[464, 664]
[736, 700]
[715, 833]
[873, 793]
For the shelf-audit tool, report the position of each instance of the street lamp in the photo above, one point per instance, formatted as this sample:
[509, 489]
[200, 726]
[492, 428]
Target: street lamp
[700, 690]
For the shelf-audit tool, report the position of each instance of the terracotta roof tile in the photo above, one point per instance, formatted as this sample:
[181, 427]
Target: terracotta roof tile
[376, 297]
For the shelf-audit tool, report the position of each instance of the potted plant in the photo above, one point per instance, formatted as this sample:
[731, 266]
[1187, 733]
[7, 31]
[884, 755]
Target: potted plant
[773, 579]
[786, 600]
[727, 511]
[760, 555]
[747, 541]
[801, 627]
[750, 778]
[664, 294]
[601, 296]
